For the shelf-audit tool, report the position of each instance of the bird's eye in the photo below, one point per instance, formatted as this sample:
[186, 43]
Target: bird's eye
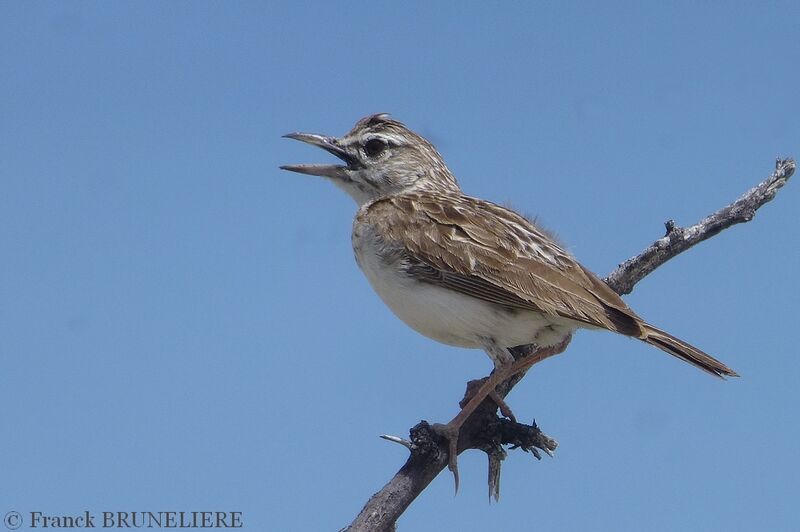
[374, 147]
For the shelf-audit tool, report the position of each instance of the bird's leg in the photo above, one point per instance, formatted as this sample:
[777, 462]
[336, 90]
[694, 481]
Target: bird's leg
[503, 364]
[505, 368]
[451, 430]
[524, 363]
[503, 360]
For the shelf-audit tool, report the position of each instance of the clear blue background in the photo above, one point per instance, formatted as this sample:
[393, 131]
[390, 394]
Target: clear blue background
[183, 327]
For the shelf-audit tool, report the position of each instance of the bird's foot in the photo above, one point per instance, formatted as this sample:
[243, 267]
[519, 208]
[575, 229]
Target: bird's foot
[450, 432]
[486, 388]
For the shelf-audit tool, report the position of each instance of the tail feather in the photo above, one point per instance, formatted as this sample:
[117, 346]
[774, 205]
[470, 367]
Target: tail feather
[680, 349]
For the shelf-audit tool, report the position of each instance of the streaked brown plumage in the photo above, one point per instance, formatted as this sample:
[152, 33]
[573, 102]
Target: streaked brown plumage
[491, 253]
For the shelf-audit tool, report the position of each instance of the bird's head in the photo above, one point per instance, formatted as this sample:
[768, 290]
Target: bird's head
[382, 157]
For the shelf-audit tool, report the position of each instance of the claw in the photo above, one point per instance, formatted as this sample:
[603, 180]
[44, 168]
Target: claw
[450, 433]
[452, 461]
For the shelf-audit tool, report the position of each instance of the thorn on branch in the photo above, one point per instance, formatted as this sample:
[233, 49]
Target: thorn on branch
[529, 438]
[396, 439]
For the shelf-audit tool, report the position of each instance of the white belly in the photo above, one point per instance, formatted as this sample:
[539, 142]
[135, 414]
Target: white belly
[451, 317]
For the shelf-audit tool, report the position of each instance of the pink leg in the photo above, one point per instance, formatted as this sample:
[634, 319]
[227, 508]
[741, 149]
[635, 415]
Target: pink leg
[500, 374]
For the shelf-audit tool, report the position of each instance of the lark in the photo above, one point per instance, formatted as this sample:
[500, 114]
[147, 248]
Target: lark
[464, 271]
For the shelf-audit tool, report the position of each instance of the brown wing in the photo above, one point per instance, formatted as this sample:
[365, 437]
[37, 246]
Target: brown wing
[491, 253]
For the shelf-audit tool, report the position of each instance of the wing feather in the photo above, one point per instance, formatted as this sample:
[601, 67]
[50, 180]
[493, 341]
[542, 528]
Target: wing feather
[489, 252]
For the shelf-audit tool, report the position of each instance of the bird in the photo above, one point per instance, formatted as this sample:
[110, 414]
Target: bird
[465, 271]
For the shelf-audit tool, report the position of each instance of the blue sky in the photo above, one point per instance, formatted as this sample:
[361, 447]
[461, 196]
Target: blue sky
[183, 326]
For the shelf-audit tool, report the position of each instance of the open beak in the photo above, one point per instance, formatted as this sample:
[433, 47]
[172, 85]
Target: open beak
[329, 144]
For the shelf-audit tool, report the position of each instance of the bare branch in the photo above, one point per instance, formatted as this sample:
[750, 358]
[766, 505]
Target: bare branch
[485, 430]
[679, 239]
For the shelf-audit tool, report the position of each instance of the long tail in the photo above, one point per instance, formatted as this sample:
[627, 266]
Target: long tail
[678, 348]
